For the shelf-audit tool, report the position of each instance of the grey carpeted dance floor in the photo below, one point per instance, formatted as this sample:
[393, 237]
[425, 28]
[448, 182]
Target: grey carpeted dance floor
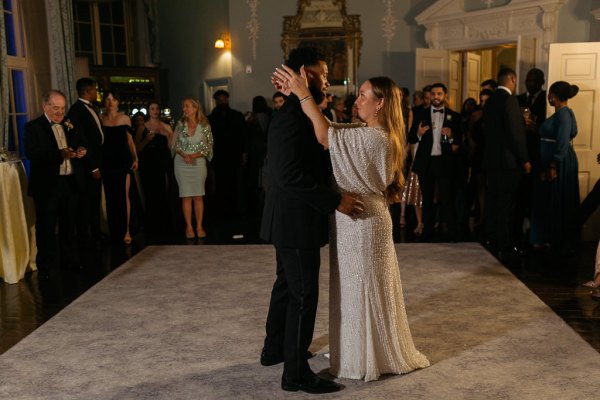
[187, 322]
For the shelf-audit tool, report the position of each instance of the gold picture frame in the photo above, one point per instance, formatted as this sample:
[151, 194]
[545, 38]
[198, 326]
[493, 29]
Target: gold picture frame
[324, 24]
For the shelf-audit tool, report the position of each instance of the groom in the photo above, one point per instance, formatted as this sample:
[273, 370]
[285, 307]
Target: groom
[295, 220]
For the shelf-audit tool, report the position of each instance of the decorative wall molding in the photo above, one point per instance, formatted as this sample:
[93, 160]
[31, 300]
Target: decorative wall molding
[388, 23]
[253, 26]
[487, 30]
[449, 26]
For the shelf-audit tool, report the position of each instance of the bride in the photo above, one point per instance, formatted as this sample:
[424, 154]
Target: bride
[368, 328]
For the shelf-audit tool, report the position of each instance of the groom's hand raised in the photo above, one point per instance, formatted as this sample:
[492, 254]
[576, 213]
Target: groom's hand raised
[351, 204]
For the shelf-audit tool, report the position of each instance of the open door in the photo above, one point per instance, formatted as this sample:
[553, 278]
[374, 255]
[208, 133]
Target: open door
[434, 65]
[431, 67]
[579, 64]
[472, 81]
[454, 97]
[525, 60]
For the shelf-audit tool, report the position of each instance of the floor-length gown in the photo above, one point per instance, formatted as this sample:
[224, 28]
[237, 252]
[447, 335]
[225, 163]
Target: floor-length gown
[368, 328]
[555, 208]
[116, 164]
[154, 170]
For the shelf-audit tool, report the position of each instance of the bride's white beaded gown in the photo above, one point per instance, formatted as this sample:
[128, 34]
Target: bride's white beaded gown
[368, 329]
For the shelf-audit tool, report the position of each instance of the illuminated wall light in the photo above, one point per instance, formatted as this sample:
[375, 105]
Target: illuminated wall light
[223, 42]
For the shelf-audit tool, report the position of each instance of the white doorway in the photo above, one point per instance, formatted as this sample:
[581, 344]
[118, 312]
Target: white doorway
[579, 64]
[462, 71]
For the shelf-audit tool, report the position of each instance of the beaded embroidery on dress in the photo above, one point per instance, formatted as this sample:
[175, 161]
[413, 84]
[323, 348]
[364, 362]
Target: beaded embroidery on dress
[368, 328]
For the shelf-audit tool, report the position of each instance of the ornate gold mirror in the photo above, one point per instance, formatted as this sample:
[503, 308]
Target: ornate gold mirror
[325, 25]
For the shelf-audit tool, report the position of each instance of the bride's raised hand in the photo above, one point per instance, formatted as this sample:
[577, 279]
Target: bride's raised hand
[280, 85]
[297, 83]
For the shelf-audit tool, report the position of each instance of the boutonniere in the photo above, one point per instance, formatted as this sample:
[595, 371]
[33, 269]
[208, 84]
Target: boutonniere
[448, 117]
[68, 124]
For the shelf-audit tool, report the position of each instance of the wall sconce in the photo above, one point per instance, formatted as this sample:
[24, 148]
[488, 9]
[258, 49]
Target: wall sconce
[223, 42]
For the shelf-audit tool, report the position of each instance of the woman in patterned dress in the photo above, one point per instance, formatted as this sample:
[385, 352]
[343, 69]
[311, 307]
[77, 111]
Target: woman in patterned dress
[193, 146]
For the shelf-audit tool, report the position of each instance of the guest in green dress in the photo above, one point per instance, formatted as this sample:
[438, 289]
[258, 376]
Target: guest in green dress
[555, 208]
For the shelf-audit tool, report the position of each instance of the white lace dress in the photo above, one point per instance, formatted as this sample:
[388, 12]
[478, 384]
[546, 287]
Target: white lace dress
[368, 329]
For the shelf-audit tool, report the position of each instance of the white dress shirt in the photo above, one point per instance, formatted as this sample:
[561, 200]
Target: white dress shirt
[66, 168]
[437, 122]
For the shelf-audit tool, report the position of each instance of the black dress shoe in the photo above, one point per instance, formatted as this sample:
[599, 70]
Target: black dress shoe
[267, 359]
[311, 383]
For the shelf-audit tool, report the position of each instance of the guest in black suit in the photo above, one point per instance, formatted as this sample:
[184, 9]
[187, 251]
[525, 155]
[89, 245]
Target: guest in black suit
[534, 99]
[297, 205]
[437, 129]
[533, 105]
[54, 148]
[83, 115]
[229, 157]
[505, 159]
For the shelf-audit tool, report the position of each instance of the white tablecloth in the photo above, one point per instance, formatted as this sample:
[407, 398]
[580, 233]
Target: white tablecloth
[17, 219]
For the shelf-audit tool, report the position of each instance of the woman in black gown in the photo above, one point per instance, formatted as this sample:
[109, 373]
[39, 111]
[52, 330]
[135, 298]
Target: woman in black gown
[118, 162]
[153, 143]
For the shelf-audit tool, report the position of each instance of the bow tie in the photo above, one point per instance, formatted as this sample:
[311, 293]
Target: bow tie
[441, 110]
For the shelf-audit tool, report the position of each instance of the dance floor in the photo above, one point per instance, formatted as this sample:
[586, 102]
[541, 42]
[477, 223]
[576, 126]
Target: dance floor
[187, 322]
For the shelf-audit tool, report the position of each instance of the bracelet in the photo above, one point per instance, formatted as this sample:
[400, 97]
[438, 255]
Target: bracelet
[305, 99]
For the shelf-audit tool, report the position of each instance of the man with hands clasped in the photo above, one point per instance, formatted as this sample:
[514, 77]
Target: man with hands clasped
[55, 148]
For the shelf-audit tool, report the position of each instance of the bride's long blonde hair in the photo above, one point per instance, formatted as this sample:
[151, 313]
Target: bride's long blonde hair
[390, 115]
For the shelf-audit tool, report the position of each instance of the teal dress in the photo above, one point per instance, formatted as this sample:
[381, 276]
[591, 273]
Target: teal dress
[191, 178]
[555, 208]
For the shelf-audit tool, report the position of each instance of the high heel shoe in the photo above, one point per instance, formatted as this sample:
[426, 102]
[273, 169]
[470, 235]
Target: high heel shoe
[201, 234]
[419, 229]
[593, 283]
[127, 240]
[190, 234]
[402, 221]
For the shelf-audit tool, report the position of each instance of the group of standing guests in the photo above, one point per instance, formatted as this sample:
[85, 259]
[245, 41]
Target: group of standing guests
[140, 163]
[75, 155]
[500, 157]
[531, 167]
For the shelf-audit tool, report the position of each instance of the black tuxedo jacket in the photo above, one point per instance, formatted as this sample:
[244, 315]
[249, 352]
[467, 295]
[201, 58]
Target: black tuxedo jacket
[538, 108]
[299, 196]
[45, 159]
[504, 131]
[86, 125]
[423, 154]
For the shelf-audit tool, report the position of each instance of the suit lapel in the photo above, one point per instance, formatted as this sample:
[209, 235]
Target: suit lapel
[49, 132]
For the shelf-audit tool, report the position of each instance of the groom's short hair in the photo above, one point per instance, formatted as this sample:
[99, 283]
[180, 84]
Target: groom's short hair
[307, 56]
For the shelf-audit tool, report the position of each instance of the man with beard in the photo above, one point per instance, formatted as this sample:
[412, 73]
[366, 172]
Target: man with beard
[438, 131]
[533, 104]
[295, 216]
